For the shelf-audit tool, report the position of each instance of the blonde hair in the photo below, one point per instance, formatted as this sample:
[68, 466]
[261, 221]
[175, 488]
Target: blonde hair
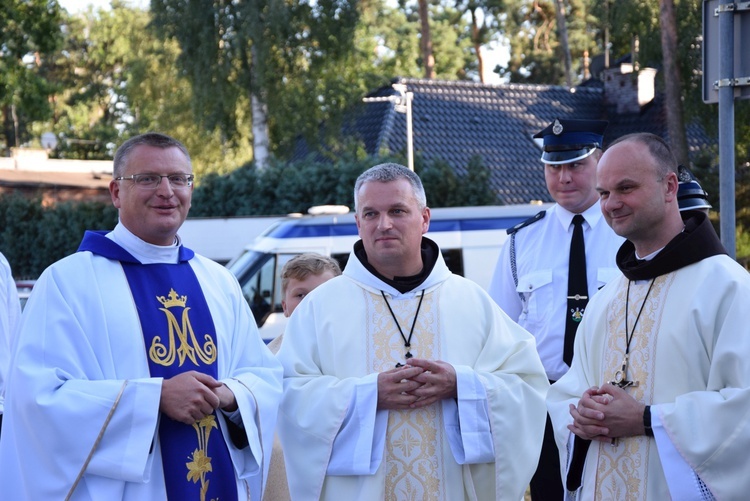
[302, 266]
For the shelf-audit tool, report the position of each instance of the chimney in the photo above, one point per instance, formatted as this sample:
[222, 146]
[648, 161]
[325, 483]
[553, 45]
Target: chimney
[629, 90]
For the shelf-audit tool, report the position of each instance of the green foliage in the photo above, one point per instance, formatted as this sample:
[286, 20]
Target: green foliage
[536, 55]
[308, 62]
[320, 76]
[441, 184]
[31, 30]
[284, 188]
[743, 247]
[19, 233]
[475, 185]
[445, 188]
[281, 188]
[33, 237]
[451, 44]
[118, 79]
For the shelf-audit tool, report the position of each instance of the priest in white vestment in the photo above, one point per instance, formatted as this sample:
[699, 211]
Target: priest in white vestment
[138, 373]
[401, 379]
[10, 315]
[655, 405]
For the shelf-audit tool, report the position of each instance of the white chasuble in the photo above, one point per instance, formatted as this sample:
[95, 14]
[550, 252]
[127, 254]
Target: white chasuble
[338, 444]
[413, 468]
[81, 355]
[688, 355]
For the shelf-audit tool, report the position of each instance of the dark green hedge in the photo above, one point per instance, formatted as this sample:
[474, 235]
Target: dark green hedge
[294, 187]
[33, 237]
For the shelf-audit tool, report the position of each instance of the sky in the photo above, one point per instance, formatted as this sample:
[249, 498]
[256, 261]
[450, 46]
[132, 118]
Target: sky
[73, 6]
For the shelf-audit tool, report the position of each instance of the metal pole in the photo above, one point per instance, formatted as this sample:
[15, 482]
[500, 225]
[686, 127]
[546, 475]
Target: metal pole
[726, 127]
[402, 104]
[409, 134]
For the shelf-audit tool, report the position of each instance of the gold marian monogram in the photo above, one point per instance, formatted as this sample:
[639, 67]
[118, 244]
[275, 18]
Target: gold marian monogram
[201, 463]
[189, 347]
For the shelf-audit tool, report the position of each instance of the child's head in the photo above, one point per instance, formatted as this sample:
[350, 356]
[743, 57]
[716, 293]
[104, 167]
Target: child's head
[302, 274]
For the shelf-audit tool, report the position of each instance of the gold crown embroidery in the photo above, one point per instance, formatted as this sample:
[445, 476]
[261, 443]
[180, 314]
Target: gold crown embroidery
[174, 300]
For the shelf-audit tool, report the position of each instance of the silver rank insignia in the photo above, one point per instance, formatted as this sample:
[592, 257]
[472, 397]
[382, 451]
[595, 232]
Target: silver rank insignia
[557, 128]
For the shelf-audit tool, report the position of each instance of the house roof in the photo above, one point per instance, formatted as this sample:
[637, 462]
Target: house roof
[53, 179]
[54, 187]
[456, 120]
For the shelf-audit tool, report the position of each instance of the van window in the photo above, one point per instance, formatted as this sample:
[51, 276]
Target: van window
[261, 284]
[282, 260]
[258, 290]
[342, 259]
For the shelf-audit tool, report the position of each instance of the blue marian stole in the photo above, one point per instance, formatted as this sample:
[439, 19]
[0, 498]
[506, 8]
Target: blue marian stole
[179, 336]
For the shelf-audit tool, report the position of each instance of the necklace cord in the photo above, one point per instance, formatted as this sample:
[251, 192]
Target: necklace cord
[629, 337]
[407, 342]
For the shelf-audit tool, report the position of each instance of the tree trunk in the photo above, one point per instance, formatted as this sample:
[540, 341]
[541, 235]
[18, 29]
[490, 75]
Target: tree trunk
[260, 132]
[672, 82]
[477, 41]
[425, 43]
[260, 120]
[562, 30]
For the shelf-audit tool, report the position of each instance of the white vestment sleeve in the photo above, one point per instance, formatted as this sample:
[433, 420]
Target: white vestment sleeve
[358, 447]
[10, 316]
[250, 461]
[467, 420]
[676, 470]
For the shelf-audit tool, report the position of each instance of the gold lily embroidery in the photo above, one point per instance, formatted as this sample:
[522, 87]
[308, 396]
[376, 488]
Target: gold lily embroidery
[200, 465]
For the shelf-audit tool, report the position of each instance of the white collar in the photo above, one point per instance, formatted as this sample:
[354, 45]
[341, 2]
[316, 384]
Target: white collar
[650, 256]
[592, 215]
[143, 251]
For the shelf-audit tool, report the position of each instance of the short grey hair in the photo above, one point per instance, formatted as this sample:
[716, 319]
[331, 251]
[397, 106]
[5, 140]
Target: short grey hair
[154, 139]
[384, 173]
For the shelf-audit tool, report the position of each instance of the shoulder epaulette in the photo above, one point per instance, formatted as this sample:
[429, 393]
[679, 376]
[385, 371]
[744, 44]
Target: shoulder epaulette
[533, 219]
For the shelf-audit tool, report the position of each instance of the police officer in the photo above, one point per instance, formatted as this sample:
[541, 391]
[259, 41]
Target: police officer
[531, 281]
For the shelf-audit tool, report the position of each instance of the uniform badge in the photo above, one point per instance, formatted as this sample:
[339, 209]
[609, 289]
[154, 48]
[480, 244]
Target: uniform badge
[683, 175]
[557, 128]
[576, 314]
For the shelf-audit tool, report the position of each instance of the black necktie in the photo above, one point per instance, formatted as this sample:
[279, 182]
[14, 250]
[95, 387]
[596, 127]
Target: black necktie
[577, 288]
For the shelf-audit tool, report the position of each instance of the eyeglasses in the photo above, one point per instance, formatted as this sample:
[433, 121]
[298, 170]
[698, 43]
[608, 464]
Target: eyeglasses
[152, 181]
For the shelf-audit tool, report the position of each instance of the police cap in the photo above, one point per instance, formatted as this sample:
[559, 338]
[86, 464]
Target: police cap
[690, 194]
[568, 140]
